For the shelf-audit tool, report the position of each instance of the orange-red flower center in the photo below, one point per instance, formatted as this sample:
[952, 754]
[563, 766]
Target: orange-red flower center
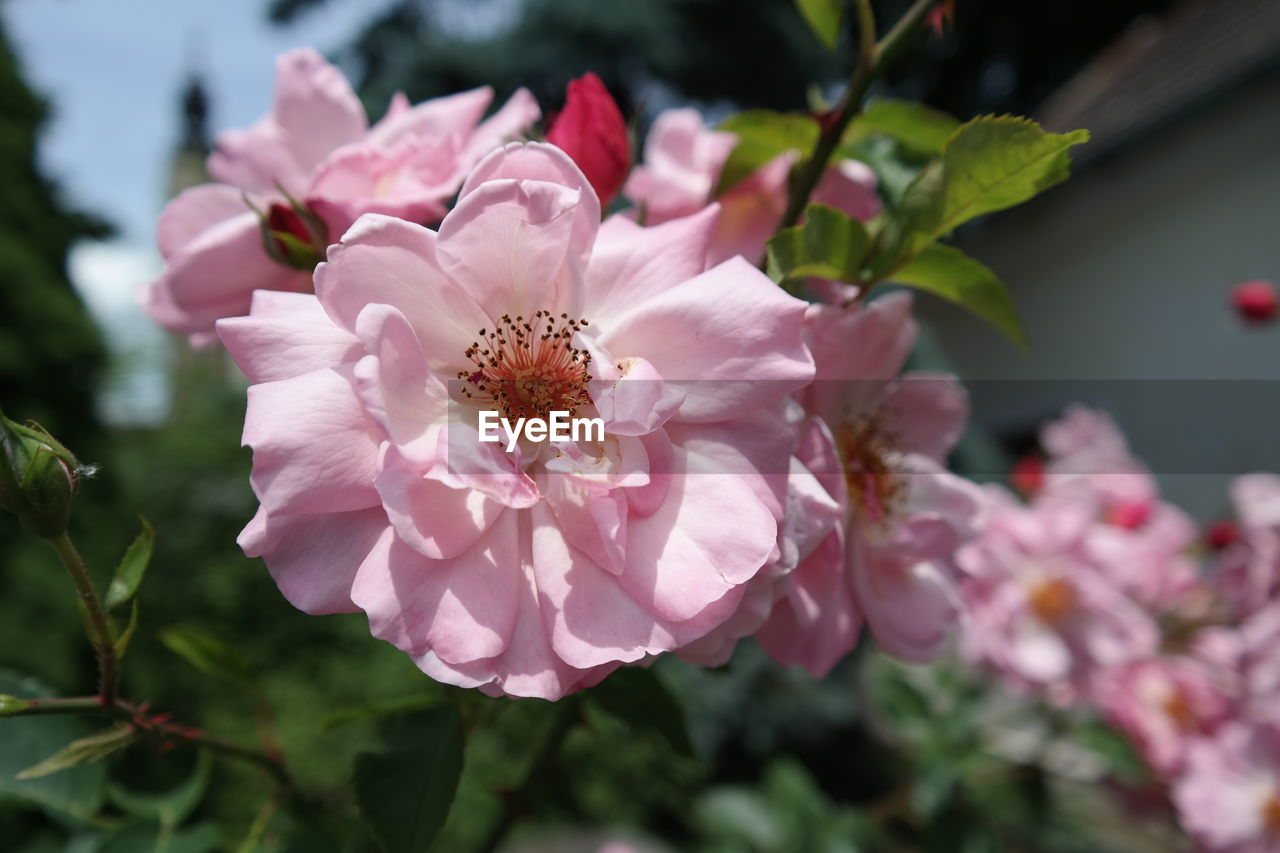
[528, 368]
[867, 449]
[1052, 600]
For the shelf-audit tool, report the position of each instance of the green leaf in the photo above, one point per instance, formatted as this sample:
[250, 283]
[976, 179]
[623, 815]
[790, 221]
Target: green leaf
[123, 638]
[762, 136]
[172, 807]
[950, 273]
[145, 837]
[86, 750]
[10, 705]
[920, 127]
[640, 699]
[124, 585]
[405, 793]
[830, 244]
[355, 714]
[989, 164]
[78, 792]
[823, 17]
[206, 653]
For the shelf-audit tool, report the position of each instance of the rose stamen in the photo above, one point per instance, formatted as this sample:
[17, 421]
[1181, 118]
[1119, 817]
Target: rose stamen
[528, 368]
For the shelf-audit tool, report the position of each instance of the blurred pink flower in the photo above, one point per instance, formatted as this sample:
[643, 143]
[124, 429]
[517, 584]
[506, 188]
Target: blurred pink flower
[683, 159]
[316, 149]
[534, 572]
[1247, 571]
[1164, 704]
[877, 443]
[1229, 796]
[1042, 612]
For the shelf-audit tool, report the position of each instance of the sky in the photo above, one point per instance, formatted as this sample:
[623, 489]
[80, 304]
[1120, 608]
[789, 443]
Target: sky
[113, 71]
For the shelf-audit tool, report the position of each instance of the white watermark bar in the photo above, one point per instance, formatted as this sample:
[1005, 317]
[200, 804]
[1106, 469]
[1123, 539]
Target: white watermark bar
[557, 426]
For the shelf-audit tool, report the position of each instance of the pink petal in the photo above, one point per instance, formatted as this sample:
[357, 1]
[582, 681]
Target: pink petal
[194, 211]
[314, 448]
[451, 115]
[462, 609]
[286, 335]
[731, 329]
[511, 245]
[389, 261]
[314, 558]
[927, 413]
[437, 521]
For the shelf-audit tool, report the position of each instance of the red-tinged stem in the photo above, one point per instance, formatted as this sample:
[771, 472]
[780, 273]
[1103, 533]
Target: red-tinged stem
[873, 58]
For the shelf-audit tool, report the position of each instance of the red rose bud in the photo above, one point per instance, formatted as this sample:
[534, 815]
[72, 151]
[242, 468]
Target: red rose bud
[940, 16]
[1220, 534]
[37, 478]
[293, 235]
[591, 130]
[1027, 475]
[1255, 301]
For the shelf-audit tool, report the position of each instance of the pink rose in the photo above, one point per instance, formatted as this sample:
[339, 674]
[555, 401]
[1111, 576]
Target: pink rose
[311, 166]
[537, 571]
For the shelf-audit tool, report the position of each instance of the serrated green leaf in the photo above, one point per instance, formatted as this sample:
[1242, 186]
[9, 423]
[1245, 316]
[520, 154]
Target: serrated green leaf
[830, 244]
[989, 164]
[405, 793]
[206, 653]
[920, 127]
[124, 637]
[762, 136]
[640, 699]
[78, 792]
[950, 273]
[86, 750]
[172, 807]
[132, 568]
[10, 705]
[823, 17]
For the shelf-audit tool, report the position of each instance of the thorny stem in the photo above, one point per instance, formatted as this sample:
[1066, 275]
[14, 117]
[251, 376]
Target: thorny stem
[872, 59]
[567, 714]
[95, 616]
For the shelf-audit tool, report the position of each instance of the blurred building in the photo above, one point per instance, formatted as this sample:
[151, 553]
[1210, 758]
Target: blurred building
[1122, 275]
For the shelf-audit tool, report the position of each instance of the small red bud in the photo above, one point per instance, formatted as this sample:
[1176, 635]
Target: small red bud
[591, 130]
[1130, 515]
[1255, 301]
[1027, 475]
[1220, 534]
[940, 16]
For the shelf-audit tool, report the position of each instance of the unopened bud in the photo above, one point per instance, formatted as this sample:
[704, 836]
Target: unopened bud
[37, 478]
[292, 234]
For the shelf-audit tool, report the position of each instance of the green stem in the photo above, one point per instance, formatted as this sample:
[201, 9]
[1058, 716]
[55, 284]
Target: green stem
[872, 59]
[95, 616]
[566, 716]
[67, 705]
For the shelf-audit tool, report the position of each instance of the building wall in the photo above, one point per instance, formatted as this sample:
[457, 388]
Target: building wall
[1123, 273]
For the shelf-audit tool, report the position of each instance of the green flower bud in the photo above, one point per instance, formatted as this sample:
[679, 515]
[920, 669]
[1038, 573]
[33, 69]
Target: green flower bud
[37, 478]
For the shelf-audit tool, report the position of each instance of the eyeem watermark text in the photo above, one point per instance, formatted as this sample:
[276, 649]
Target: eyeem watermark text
[557, 426]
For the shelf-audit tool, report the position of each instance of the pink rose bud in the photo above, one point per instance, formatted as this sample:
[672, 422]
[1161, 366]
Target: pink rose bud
[592, 131]
[1129, 515]
[1221, 534]
[1255, 301]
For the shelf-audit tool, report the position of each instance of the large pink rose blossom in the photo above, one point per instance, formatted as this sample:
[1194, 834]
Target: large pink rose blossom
[877, 443]
[682, 163]
[316, 146]
[535, 572]
[1229, 796]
